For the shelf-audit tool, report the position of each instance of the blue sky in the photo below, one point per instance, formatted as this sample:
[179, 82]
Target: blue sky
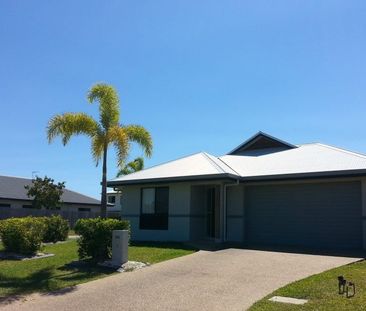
[199, 75]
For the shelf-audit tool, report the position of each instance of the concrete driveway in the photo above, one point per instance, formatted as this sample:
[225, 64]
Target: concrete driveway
[231, 279]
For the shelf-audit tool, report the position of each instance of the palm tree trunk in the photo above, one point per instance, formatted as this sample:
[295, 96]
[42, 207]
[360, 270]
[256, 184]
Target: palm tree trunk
[103, 209]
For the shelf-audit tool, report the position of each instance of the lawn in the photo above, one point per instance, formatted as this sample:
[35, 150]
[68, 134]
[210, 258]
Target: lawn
[322, 292]
[53, 273]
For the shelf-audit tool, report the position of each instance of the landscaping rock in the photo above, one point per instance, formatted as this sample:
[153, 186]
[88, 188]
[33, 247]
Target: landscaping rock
[290, 300]
[126, 267]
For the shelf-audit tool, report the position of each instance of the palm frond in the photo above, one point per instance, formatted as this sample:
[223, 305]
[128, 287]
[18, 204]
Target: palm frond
[137, 164]
[108, 100]
[131, 167]
[119, 138]
[69, 124]
[141, 136]
[97, 147]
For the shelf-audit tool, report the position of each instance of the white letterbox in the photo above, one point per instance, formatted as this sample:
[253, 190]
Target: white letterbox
[119, 247]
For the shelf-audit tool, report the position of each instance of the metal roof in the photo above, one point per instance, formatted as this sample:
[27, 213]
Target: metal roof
[197, 166]
[13, 188]
[308, 158]
[260, 136]
[301, 161]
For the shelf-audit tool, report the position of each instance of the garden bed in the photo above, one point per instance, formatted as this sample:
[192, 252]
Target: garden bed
[13, 256]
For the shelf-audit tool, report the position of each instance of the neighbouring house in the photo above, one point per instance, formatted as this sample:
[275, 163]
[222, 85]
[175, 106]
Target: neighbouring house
[114, 200]
[264, 192]
[14, 201]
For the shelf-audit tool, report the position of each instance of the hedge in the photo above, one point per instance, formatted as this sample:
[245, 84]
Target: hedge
[25, 235]
[57, 229]
[22, 235]
[96, 237]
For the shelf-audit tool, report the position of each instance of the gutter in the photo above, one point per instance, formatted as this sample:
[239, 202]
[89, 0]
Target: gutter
[116, 183]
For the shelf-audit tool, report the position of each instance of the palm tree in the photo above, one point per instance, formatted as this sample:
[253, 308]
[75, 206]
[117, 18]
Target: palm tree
[131, 167]
[104, 133]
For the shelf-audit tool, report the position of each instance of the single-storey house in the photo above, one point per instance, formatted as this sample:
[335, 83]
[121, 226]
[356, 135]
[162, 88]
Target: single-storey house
[14, 201]
[264, 192]
[114, 200]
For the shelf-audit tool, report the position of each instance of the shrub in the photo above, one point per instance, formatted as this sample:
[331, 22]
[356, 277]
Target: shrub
[57, 229]
[96, 236]
[22, 235]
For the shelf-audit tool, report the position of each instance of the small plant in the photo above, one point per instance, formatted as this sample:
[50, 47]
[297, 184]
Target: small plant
[96, 237]
[57, 229]
[22, 235]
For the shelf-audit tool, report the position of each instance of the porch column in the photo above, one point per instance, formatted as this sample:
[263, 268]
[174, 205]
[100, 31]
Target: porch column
[363, 194]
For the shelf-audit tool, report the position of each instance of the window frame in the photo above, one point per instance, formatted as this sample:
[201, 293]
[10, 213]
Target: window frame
[84, 209]
[154, 221]
[28, 206]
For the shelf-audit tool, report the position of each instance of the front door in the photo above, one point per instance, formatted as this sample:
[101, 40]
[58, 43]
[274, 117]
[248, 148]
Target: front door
[210, 212]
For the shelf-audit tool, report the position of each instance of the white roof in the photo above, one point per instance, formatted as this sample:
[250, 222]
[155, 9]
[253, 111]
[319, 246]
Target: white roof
[308, 159]
[193, 166]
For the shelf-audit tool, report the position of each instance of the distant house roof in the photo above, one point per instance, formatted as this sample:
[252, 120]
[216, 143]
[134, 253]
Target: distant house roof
[13, 188]
[262, 157]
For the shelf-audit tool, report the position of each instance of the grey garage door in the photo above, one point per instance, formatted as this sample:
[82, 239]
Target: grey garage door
[322, 215]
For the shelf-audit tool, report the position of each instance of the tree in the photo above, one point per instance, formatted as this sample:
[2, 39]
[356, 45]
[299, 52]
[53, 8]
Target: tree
[108, 131]
[131, 167]
[45, 193]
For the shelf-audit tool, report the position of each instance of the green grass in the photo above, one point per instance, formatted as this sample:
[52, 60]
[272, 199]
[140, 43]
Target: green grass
[53, 273]
[322, 292]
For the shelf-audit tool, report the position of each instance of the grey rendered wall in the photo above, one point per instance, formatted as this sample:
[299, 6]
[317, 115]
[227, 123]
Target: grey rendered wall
[179, 206]
[363, 193]
[235, 214]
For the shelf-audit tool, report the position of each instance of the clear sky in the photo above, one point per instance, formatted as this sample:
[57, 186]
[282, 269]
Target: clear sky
[199, 75]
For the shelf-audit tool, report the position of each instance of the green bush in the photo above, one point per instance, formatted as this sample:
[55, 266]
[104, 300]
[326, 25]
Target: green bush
[22, 235]
[57, 229]
[96, 236]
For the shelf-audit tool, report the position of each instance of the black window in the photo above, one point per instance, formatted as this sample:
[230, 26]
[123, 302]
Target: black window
[154, 208]
[112, 199]
[4, 205]
[28, 206]
[84, 209]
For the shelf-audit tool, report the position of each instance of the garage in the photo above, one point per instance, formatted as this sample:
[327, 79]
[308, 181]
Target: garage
[310, 215]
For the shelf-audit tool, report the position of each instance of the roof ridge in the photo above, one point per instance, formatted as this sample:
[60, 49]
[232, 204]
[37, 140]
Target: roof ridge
[208, 156]
[360, 155]
[236, 172]
[313, 143]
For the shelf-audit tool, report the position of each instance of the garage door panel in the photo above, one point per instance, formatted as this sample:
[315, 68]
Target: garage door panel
[322, 215]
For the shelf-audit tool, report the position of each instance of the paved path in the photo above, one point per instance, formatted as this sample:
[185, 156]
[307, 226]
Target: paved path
[231, 279]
